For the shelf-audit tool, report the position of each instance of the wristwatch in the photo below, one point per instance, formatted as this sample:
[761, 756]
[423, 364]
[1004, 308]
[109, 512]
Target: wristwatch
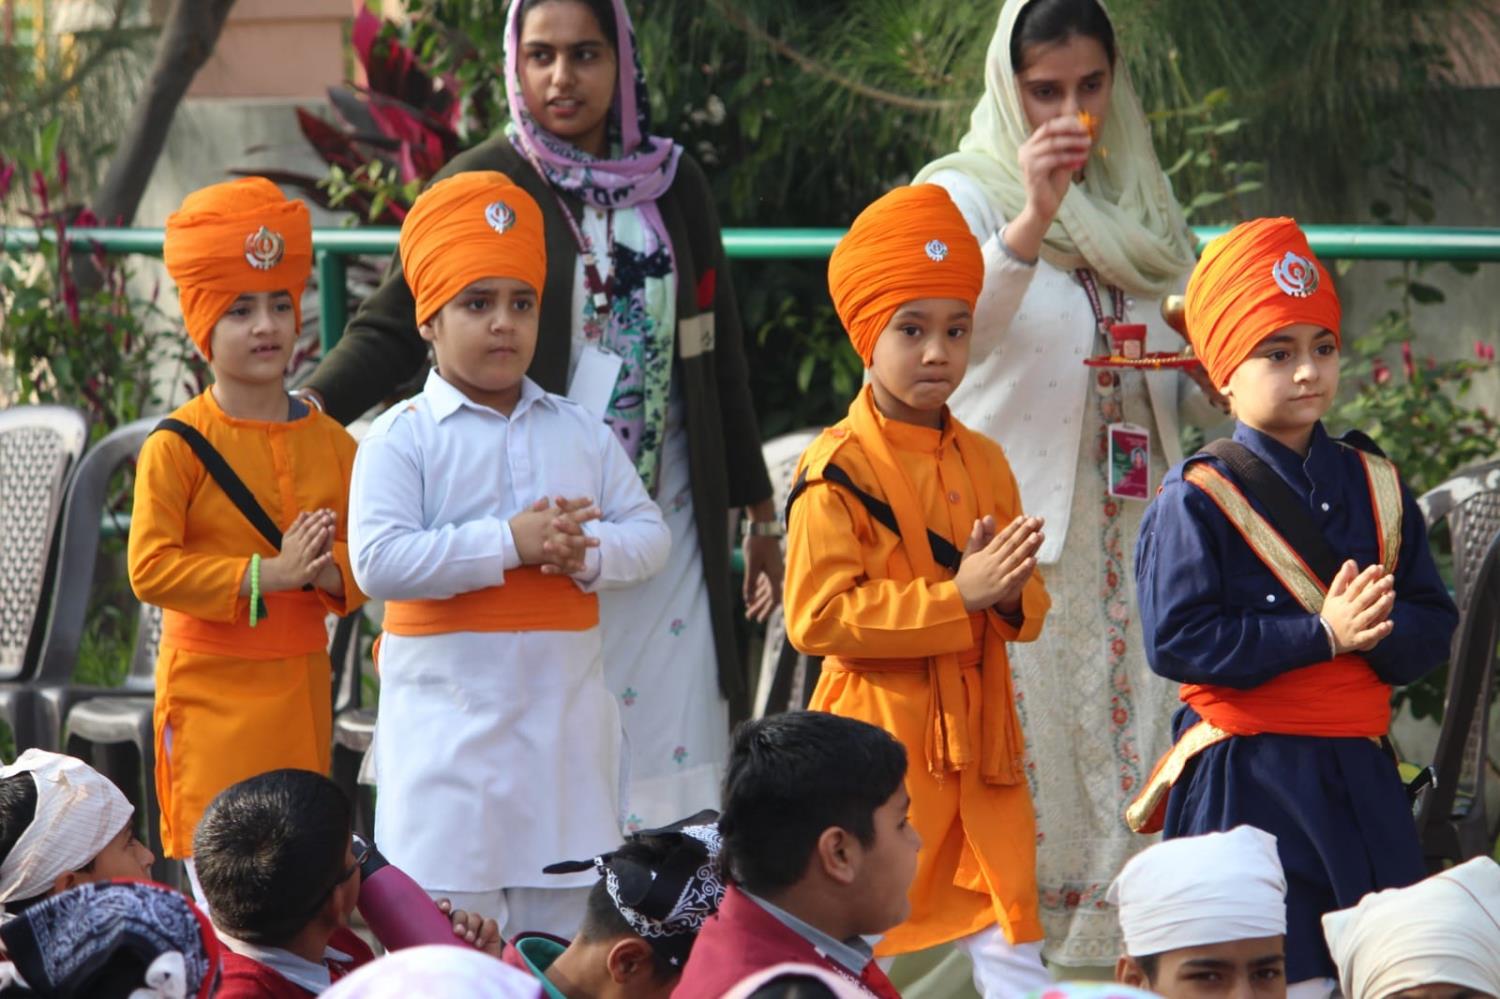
[761, 528]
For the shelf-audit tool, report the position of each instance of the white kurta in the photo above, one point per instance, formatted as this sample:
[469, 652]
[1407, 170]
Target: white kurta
[496, 753]
[659, 659]
[1096, 718]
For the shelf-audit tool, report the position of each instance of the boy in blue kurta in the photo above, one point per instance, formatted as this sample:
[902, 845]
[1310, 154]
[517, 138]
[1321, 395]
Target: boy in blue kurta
[1285, 580]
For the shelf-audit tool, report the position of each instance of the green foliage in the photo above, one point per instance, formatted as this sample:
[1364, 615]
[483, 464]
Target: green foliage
[61, 342]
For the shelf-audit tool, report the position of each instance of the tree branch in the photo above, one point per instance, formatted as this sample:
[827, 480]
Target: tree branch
[930, 105]
[192, 28]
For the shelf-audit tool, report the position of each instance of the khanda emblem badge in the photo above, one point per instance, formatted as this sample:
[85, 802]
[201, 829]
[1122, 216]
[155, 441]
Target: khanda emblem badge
[500, 216]
[264, 248]
[1297, 276]
[937, 250]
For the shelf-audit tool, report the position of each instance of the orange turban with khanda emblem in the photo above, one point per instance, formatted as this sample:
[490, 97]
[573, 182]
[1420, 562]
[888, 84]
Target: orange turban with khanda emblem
[466, 228]
[1257, 278]
[910, 244]
[231, 239]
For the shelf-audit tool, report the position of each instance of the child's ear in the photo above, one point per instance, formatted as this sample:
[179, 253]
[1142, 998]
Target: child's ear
[630, 960]
[839, 853]
[428, 330]
[1127, 972]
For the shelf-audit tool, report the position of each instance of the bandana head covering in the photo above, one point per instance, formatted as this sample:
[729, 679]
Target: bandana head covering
[1257, 278]
[1122, 221]
[436, 970]
[113, 940]
[1201, 890]
[232, 238]
[911, 243]
[468, 227]
[666, 904]
[78, 812]
[1445, 929]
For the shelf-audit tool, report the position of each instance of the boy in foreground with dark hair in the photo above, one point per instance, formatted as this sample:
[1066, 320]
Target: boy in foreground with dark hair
[643, 914]
[818, 849]
[277, 863]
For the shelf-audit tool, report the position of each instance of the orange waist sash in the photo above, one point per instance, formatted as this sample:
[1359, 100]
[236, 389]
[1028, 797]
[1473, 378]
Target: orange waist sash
[526, 601]
[967, 659]
[1338, 699]
[293, 626]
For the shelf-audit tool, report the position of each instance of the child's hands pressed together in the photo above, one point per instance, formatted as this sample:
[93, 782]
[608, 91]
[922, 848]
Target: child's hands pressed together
[306, 551]
[1358, 607]
[565, 545]
[994, 573]
[329, 579]
[528, 530]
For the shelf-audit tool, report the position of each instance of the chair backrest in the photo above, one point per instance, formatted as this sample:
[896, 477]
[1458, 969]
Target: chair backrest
[79, 548]
[39, 448]
[1469, 504]
[782, 455]
[783, 678]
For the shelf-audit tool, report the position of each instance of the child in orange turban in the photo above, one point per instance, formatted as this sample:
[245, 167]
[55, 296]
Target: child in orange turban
[240, 500]
[1285, 581]
[487, 512]
[909, 566]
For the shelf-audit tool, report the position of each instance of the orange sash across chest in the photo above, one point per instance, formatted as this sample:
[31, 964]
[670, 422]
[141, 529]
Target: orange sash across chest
[527, 601]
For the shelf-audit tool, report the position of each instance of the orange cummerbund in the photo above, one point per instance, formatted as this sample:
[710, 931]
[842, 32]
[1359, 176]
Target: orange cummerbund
[293, 626]
[967, 659]
[1339, 698]
[526, 601]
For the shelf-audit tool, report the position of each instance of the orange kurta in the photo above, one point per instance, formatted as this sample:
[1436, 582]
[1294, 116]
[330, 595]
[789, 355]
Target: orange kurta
[852, 596]
[232, 701]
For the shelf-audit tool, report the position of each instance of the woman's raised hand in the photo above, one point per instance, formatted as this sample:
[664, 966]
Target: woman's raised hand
[1049, 158]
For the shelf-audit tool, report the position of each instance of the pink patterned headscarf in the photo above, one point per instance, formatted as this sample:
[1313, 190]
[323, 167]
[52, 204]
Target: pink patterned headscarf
[645, 165]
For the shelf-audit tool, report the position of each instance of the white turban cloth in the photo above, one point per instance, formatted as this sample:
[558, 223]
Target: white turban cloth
[436, 970]
[78, 812]
[1199, 890]
[1444, 930]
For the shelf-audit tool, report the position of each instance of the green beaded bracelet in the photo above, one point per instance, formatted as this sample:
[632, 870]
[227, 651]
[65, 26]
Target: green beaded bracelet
[254, 590]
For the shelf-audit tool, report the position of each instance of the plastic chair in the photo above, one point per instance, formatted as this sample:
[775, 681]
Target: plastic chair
[39, 449]
[1453, 819]
[353, 724]
[787, 676]
[55, 691]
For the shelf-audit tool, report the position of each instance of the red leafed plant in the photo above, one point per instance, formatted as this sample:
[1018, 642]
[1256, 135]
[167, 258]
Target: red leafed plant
[385, 138]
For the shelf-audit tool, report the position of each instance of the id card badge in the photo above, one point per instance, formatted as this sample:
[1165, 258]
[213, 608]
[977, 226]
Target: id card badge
[594, 379]
[1129, 461]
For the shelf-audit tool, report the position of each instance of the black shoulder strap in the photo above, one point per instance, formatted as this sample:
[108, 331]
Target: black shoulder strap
[943, 551]
[1290, 515]
[234, 487]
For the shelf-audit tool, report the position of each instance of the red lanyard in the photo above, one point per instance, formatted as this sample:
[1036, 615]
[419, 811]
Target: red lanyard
[599, 289]
[1116, 300]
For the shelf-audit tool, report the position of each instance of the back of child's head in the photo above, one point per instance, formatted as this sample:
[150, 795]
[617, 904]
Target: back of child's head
[231, 239]
[466, 228]
[270, 851]
[910, 244]
[793, 776]
[1257, 278]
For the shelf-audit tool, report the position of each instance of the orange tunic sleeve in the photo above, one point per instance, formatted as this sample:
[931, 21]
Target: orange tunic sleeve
[164, 569]
[835, 607]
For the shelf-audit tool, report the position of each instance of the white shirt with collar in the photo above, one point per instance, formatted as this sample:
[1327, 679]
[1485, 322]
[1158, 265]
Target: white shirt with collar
[496, 753]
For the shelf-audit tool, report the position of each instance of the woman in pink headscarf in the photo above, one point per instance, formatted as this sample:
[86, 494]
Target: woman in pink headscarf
[639, 325]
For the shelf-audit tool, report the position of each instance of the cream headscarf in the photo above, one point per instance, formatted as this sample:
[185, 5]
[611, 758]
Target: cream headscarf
[1122, 221]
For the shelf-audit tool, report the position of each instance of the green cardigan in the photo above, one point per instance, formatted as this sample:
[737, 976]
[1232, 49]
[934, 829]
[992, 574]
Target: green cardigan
[382, 351]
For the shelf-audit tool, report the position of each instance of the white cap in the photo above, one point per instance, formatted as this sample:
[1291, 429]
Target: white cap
[1444, 930]
[1200, 890]
[78, 812]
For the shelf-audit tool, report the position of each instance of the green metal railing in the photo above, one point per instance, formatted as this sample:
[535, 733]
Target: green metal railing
[333, 247]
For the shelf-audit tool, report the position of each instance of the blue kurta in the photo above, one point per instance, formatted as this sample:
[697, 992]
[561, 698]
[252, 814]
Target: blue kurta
[1212, 613]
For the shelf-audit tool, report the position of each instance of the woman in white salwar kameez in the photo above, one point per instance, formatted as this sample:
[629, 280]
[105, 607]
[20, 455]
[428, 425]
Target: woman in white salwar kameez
[1075, 230]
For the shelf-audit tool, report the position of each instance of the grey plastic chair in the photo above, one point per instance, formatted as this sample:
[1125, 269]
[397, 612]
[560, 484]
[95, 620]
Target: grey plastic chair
[55, 692]
[1453, 819]
[787, 677]
[39, 449]
[353, 723]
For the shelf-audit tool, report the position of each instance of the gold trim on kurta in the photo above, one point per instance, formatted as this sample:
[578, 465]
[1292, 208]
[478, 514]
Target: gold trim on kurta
[1146, 812]
[1385, 502]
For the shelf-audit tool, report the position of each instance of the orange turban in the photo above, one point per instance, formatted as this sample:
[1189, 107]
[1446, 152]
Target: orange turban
[468, 227]
[1257, 278]
[909, 244]
[232, 238]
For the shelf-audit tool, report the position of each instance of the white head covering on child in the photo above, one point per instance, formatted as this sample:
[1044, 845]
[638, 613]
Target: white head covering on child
[1444, 930]
[1200, 890]
[78, 812]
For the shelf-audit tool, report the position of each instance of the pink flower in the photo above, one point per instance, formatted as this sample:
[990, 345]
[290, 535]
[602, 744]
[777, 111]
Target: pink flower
[1407, 364]
[39, 187]
[1379, 371]
[7, 174]
[1483, 351]
[70, 301]
[62, 170]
